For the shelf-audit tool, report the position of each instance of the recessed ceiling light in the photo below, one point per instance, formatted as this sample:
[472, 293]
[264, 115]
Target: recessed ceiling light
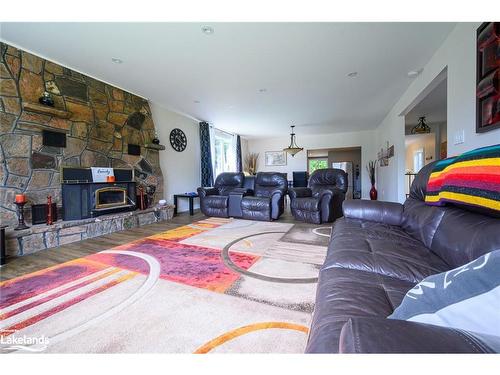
[414, 73]
[262, 90]
[116, 60]
[207, 30]
[196, 101]
[352, 74]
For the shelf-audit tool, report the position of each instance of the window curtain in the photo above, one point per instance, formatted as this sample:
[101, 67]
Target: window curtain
[239, 161]
[207, 174]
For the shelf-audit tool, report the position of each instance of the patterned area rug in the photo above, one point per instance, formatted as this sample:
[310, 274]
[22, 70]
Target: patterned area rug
[217, 285]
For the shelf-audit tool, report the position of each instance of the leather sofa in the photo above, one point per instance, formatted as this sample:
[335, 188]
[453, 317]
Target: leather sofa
[321, 201]
[380, 250]
[268, 199]
[214, 201]
[258, 197]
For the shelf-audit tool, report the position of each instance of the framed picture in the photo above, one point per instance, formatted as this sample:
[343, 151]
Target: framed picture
[275, 158]
[487, 81]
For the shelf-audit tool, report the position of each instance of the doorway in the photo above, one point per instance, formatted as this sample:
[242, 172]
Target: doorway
[426, 132]
[347, 159]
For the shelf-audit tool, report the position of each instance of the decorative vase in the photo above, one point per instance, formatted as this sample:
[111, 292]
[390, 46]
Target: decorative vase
[373, 193]
[46, 99]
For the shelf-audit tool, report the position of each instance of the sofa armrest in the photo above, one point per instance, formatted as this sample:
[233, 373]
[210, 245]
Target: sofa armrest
[381, 335]
[299, 192]
[205, 191]
[383, 212]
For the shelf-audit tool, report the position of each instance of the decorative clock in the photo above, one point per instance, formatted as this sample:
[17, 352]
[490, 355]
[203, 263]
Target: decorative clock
[178, 140]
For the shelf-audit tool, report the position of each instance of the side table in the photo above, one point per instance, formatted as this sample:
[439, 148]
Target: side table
[191, 202]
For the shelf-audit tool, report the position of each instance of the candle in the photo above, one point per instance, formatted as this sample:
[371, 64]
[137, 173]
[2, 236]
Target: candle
[20, 198]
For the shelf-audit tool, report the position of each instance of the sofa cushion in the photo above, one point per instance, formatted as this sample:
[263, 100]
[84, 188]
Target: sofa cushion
[346, 293]
[255, 203]
[306, 204]
[216, 201]
[467, 297]
[382, 249]
[463, 236]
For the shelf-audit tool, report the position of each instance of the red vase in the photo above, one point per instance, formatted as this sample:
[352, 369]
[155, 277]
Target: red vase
[373, 193]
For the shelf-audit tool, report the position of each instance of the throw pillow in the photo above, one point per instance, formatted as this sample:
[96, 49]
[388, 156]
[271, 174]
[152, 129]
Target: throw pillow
[467, 298]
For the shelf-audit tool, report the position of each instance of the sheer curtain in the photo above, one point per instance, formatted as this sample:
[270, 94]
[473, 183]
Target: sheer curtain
[224, 147]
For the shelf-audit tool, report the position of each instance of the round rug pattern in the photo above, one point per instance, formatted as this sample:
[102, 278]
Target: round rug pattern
[247, 329]
[229, 263]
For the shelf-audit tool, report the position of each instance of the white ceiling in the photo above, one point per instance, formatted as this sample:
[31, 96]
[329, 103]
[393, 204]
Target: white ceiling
[303, 67]
[433, 107]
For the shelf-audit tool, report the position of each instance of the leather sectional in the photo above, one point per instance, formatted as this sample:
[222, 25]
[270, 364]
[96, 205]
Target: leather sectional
[380, 250]
[259, 197]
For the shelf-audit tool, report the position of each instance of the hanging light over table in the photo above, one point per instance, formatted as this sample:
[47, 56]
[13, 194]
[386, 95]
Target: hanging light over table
[421, 127]
[293, 148]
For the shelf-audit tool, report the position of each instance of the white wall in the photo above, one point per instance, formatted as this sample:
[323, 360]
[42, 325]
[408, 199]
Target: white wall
[458, 56]
[299, 162]
[181, 170]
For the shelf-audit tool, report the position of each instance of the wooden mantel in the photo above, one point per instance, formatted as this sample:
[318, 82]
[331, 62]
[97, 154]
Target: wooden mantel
[46, 110]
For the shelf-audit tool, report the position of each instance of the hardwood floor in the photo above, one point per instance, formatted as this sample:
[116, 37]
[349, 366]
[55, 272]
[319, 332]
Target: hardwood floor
[46, 258]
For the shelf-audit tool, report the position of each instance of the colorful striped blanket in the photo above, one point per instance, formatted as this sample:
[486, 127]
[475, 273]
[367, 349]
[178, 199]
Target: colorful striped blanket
[471, 179]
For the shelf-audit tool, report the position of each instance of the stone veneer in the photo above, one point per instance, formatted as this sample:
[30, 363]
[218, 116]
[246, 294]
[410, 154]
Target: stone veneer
[102, 120]
[42, 236]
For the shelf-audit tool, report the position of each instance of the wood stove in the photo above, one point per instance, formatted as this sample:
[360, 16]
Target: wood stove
[110, 197]
[82, 198]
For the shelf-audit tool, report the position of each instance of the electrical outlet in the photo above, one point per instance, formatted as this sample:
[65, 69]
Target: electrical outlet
[459, 137]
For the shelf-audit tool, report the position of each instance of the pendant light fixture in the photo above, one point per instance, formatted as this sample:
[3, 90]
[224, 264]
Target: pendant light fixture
[293, 148]
[421, 127]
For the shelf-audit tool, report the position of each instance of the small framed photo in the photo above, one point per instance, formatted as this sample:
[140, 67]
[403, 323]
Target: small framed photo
[275, 158]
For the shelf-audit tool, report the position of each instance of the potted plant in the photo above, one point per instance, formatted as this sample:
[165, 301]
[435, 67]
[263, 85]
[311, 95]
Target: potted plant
[371, 172]
[251, 163]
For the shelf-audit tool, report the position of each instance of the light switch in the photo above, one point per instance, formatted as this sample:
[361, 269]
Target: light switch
[459, 137]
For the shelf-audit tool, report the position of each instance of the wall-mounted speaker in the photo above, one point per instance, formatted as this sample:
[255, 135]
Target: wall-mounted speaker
[54, 139]
[134, 149]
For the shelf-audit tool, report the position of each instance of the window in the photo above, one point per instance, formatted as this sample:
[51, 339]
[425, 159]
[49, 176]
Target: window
[418, 160]
[317, 163]
[224, 152]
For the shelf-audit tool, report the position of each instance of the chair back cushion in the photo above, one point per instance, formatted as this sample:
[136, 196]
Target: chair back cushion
[328, 178]
[267, 182]
[456, 235]
[227, 181]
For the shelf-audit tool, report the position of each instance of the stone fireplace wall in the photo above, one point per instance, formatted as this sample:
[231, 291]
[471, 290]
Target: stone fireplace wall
[99, 120]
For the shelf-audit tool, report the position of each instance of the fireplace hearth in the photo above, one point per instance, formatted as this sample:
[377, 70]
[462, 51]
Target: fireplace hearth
[82, 198]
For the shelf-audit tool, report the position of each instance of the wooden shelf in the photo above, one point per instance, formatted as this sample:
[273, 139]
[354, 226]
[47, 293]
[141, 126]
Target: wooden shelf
[46, 110]
[152, 146]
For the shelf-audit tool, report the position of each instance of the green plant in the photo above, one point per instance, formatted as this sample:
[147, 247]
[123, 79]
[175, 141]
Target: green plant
[315, 164]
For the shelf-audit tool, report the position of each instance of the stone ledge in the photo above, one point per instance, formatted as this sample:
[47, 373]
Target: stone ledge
[46, 110]
[152, 146]
[42, 236]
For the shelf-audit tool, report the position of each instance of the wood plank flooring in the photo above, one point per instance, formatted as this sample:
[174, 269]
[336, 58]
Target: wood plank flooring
[46, 258]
